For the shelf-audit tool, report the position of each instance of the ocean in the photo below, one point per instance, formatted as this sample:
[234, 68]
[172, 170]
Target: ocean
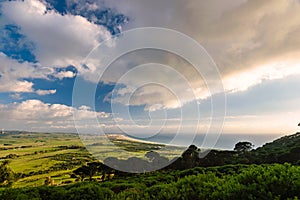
[222, 141]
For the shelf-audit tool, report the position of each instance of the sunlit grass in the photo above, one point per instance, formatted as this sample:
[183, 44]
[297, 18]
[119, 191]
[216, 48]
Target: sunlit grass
[36, 156]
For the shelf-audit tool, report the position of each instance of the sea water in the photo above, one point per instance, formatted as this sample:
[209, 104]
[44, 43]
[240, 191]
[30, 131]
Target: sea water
[211, 141]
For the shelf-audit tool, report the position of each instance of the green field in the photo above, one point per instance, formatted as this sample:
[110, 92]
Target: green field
[35, 156]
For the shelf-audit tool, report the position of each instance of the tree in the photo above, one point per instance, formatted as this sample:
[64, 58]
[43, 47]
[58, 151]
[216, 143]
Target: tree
[6, 174]
[190, 158]
[191, 153]
[90, 170]
[243, 146]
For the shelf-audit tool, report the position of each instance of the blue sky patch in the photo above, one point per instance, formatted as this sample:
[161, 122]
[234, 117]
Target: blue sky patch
[15, 45]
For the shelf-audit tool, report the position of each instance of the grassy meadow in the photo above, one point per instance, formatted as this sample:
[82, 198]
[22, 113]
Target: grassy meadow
[36, 156]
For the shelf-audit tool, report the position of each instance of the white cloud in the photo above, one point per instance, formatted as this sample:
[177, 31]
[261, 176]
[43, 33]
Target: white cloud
[15, 86]
[13, 69]
[251, 41]
[64, 74]
[34, 114]
[276, 70]
[45, 92]
[13, 72]
[60, 40]
[167, 85]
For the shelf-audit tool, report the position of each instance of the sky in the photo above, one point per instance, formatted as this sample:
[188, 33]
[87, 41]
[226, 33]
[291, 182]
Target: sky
[48, 46]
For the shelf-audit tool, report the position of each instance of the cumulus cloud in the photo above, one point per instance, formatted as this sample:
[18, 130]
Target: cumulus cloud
[35, 114]
[13, 73]
[157, 87]
[45, 92]
[16, 86]
[13, 69]
[60, 40]
[64, 74]
[250, 41]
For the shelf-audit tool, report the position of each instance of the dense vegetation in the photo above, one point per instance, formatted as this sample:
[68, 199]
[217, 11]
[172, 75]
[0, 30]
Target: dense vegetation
[269, 172]
[278, 181]
[282, 150]
[7, 176]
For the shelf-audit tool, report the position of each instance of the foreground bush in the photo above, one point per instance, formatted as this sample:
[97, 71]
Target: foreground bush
[279, 181]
